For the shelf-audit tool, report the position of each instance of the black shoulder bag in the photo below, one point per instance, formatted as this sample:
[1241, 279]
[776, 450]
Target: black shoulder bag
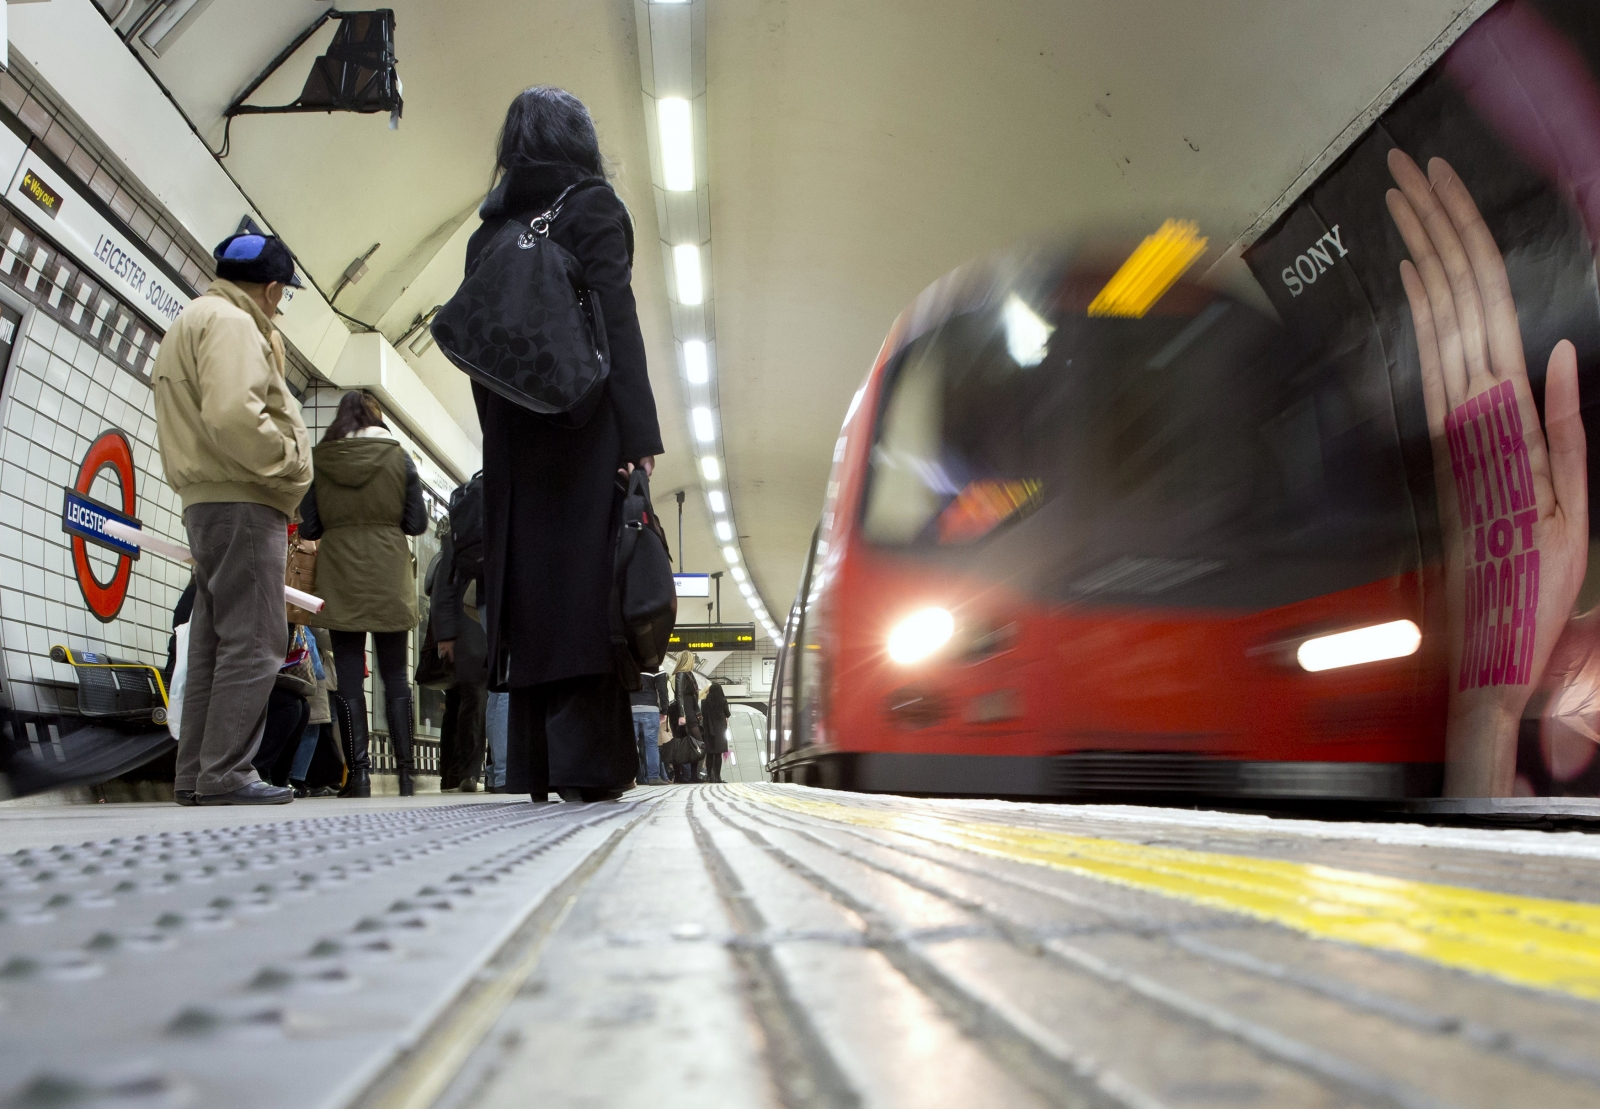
[525, 324]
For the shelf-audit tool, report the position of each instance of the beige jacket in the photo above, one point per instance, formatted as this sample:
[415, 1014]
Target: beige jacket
[228, 426]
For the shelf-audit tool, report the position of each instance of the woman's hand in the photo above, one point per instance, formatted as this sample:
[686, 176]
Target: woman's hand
[447, 649]
[647, 464]
[1513, 499]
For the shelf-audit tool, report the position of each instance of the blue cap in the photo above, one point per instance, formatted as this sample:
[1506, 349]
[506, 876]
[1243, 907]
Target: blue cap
[254, 257]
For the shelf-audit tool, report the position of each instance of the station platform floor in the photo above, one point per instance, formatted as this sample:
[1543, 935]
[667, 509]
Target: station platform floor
[765, 945]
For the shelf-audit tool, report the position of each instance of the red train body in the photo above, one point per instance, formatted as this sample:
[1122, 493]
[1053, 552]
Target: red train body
[1111, 631]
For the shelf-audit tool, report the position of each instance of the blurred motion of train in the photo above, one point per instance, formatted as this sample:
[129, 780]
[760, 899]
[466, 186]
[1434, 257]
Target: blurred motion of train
[1065, 553]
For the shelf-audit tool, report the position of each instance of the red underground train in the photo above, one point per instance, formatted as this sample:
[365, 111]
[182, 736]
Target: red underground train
[1067, 554]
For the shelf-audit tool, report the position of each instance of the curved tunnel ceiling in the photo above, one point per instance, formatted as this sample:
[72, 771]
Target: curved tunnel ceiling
[856, 152]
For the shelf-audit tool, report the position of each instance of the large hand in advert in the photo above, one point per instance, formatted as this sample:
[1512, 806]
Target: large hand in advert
[1513, 497]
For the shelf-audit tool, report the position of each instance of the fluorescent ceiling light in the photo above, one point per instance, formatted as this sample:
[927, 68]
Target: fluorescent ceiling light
[694, 362]
[1027, 336]
[686, 265]
[725, 531]
[1395, 639]
[704, 429]
[738, 573]
[731, 554]
[675, 122]
[719, 503]
[711, 468]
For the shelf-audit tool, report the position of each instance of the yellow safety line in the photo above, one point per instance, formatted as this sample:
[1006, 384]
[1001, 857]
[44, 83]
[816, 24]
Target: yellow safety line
[1531, 941]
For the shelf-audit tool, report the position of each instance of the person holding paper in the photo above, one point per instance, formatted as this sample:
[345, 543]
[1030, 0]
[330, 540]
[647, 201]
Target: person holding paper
[235, 449]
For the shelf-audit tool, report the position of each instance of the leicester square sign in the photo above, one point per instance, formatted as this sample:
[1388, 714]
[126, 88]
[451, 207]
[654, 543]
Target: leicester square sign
[84, 518]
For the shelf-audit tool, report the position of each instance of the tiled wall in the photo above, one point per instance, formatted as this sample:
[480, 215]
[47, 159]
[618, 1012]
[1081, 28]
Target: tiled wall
[62, 391]
[744, 667]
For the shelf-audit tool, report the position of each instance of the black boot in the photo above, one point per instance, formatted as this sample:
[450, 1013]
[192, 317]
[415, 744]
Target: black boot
[400, 739]
[358, 780]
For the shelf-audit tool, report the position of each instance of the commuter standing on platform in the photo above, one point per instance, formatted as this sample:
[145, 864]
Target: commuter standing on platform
[453, 611]
[367, 498]
[714, 713]
[550, 495]
[235, 450]
[649, 712]
[688, 740]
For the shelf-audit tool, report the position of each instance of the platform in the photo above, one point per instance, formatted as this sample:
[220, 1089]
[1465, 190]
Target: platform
[776, 945]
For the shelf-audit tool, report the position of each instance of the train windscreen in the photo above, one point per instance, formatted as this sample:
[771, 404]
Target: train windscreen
[1190, 458]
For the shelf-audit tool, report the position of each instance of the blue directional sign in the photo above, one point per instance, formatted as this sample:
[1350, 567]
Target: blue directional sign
[86, 517]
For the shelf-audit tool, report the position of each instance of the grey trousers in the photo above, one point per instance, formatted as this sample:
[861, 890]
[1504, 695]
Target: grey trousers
[237, 639]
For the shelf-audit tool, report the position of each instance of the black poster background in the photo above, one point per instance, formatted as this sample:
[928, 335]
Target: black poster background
[1355, 318]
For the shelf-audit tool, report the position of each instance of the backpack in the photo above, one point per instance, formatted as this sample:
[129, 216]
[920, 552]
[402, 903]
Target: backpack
[644, 597]
[466, 530]
[525, 325]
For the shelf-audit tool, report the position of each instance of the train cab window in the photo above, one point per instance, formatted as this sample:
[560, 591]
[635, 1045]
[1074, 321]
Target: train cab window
[1189, 456]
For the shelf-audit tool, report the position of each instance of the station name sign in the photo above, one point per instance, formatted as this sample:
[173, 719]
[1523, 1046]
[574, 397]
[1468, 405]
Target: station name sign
[103, 248]
[713, 637]
[85, 517]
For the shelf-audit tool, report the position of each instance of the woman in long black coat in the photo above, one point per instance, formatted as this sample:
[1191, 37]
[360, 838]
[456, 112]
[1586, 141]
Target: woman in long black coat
[714, 713]
[550, 491]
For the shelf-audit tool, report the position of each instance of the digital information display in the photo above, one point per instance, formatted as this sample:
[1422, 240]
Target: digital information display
[713, 637]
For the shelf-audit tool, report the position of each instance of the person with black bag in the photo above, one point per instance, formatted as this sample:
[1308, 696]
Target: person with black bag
[550, 466]
[688, 738]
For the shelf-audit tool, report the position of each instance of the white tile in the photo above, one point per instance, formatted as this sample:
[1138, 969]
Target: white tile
[15, 635]
[66, 344]
[37, 521]
[13, 482]
[49, 403]
[58, 371]
[25, 388]
[55, 587]
[12, 603]
[33, 608]
[56, 612]
[39, 640]
[11, 543]
[37, 492]
[20, 420]
[33, 584]
[42, 329]
[14, 449]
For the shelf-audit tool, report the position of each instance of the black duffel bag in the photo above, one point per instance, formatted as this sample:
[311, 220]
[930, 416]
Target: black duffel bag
[525, 324]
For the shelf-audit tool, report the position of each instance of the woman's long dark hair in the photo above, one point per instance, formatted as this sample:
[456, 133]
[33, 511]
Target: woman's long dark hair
[547, 126]
[356, 411]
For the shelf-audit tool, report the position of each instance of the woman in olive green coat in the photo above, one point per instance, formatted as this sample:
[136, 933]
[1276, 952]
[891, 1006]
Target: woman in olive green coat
[364, 500]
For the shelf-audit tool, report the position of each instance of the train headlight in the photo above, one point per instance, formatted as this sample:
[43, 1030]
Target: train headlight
[1396, 639]
[920, 635]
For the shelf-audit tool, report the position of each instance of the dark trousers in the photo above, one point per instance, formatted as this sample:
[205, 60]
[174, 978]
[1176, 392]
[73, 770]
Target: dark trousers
[461, 734]
[238, 635]
[573, 734]
[287, 714]
[350, 660]
[713, 766]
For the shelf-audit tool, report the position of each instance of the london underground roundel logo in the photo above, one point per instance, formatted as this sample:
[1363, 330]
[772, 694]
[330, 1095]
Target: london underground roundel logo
[84, 519]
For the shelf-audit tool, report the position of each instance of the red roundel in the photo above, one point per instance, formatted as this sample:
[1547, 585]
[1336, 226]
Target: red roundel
[105, 599]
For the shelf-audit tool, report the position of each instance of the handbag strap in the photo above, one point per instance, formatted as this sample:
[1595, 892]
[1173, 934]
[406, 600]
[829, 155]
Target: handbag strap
[540, 224]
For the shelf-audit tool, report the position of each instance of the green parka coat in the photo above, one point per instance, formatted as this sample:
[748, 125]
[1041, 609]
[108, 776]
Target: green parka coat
[364, 500]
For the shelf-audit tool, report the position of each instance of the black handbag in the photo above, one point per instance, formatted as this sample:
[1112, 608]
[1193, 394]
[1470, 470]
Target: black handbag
[525, 325]
[644, 596]
[432, 672]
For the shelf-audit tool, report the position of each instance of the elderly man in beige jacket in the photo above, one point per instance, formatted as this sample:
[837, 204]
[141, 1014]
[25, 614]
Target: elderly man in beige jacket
[236, 451]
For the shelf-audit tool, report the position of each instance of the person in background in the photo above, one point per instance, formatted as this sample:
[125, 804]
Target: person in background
[688, 741]
[549, 490]
[365, 502]
[235, 449]
[649, 713]
[461, 644]
[714, 714]
[288, 709]
[494, 729]
[321, 717]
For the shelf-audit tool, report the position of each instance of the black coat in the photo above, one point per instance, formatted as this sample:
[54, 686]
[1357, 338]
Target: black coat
[687, 734]
[714, 713]
[549, 491]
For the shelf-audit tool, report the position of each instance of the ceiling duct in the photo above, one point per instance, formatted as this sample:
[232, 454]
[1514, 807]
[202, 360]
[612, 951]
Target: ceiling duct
[357, 74]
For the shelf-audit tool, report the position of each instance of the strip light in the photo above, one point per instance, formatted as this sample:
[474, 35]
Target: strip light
[672, 60]
[704, 429]
[696, 366]
[686, 265]
[675, 121]
[1150, 270]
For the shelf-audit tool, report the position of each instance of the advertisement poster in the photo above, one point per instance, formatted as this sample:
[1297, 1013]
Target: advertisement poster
[1510, 114]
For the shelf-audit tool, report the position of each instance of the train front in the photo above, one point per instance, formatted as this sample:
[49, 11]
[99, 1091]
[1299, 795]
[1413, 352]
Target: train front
[1076, 546]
